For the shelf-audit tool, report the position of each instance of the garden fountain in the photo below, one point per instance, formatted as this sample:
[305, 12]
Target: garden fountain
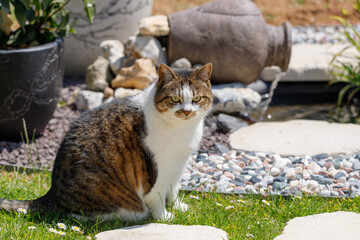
[233, 35]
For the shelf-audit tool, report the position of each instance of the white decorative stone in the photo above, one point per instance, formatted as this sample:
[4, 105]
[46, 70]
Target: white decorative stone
[181, 63]
[97, 74]
[146, 47]
[156, 26]
[274, 172]
[124, 92]
[114, 52]
[157, 231]
[86, 100]
[235, 100]
[114, 20]
[290, 174]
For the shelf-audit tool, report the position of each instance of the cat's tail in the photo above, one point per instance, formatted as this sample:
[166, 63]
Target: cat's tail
[38, 205]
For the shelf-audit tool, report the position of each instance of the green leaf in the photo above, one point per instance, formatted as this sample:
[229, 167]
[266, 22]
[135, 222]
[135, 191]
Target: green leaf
[90, 10]
[20, 13]
[342, 93]
[37, 5]
[352, 94]
[64, 20]
[26, 3]
[30, 15]
[3, 39]
[46, 4]
[4, 4]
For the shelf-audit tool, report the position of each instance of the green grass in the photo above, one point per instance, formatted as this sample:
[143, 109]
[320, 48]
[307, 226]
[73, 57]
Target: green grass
[250, 219]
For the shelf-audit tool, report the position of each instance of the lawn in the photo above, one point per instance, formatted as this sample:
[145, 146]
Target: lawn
[242, 217]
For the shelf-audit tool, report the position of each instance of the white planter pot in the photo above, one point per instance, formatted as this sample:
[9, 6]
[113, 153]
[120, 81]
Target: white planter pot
[114, 20]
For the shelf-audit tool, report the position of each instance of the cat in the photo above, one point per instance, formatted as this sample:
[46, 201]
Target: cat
[125, 159]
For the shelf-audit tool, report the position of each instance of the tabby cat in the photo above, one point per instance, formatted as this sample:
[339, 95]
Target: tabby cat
[125, 158]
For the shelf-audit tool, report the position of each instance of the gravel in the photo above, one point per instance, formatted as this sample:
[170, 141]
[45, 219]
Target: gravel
[271, 174]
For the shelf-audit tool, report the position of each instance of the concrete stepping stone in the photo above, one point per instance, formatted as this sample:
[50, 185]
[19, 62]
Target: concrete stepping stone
[325, 226]
[155, 231]
[298, 137]
[315, 68]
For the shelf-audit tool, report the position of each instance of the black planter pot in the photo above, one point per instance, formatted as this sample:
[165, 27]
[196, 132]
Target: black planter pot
[30, 84]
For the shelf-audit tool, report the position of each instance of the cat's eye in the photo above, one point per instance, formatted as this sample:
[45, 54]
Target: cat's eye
[196, 99]
[175, 99]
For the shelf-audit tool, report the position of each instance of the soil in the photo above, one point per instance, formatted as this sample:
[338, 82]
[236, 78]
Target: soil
[297, 12]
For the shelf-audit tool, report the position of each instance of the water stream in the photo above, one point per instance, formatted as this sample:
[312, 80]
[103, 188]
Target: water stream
[264, 106]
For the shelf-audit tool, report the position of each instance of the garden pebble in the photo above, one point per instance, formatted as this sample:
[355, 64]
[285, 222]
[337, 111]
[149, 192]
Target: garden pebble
[245, 172]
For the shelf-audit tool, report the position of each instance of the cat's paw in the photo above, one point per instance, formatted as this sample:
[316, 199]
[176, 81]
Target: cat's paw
[165, 215]
[181, 206]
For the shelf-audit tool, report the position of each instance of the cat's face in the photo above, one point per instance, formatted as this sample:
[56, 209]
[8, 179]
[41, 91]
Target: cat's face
[183, 94]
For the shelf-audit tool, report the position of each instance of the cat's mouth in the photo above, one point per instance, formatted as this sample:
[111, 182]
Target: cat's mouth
[185, 114]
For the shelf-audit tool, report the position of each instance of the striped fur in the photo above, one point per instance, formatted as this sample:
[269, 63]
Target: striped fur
[125, 158]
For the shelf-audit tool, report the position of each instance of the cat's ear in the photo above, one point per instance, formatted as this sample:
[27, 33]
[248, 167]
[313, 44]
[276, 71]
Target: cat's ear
[165, 74]
[204, 73]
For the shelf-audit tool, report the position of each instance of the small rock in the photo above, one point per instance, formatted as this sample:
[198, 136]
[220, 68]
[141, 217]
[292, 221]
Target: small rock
[114, 52]
[146, 47]
[279, 179]
[275, 172]
[356, 165]
[298, 170]
[346, 164]
[123, 92]
[139, 76]
[181, 63]
[156, 26]
[313, 186]
[234, 100]
[337, 164]
[339, 175]
[108, 92]
[221, 148]
[97, 74]
[328, 164]
[294, 184]
[320, 156]
[86, 100]
[290, 174]
[254, 180]
[306, 174]
[321, 179]
[186, 177]
[229, 175]
[230, 123]
[279, 185]
[325, 193]
[199, 164]
[216, 159]
[314, 167]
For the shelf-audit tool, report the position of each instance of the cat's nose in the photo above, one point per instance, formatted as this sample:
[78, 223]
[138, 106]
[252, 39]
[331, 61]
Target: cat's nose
[187, 112]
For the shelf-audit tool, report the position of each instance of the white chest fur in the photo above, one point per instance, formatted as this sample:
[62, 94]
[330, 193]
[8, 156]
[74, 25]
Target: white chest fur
[172, 143]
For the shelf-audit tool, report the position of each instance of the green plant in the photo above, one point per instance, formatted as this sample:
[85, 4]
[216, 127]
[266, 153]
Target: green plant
[345, 72]
[26, 23]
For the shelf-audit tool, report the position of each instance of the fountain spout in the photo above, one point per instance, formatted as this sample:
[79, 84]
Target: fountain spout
[279, 46]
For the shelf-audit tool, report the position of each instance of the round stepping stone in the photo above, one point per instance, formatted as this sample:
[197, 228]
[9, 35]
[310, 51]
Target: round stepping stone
[156, 231]
[325, 226]
[298, 137]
